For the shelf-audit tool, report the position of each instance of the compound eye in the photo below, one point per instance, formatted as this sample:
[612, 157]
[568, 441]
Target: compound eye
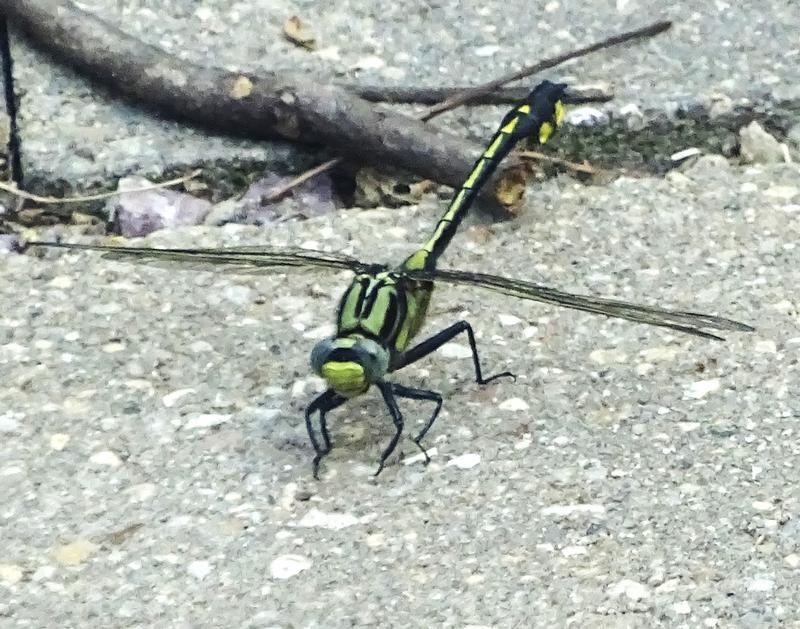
[320, 355]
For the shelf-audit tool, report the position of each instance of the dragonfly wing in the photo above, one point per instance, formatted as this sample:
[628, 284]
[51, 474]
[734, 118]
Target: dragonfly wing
[236, 259]
[688, 322]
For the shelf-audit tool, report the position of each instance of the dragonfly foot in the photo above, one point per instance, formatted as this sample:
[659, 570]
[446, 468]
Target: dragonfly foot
[422, 449]
[505, 374]
[315, 465]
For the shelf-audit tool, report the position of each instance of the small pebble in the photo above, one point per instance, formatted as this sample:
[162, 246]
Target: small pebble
[454, 350]
[105, 457]
[199, 569]
[631, 589]
[206, 420]
[792, 560]
[10, 574]
[514, 404]
[564, 511]
[761, 584]
[701, 388]
[75, 553]
[766, 347]
[465, 461]
[287, 566]
[334, 521]
[59, 441]
[171, 399]
[508, 320]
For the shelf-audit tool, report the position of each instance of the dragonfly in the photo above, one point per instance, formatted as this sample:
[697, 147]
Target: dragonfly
[385, 306]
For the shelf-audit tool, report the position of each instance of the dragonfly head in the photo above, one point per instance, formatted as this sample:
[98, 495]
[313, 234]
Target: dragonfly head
[350, 364]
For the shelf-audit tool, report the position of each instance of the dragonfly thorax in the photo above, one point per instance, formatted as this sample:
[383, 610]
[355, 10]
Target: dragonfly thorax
[350, 364]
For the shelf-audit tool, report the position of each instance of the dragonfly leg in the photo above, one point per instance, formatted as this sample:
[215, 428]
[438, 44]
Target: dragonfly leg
[397, 417]
[430, 345]
[421, 394]
[323, 403]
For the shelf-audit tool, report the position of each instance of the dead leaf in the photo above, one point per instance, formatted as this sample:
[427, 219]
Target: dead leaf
[510, 188]
[119, 537]
[242, 88]
[298, 33]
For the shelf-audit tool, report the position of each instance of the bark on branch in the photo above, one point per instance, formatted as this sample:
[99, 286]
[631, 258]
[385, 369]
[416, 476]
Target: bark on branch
[267, 106]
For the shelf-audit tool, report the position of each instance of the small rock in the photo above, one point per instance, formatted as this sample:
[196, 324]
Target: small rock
[508, 320]
[10, 574]
[8, 424]
[792, 560]
[61, 281]
[608, 356]
[170, 399]
[707, 165]
[140, 213]
[701, 388]
[761, 584]
[682, 608]
[105, 457]
[199, 569]
[206, 420]
[113, 347]
[376, 540]
[334, 521]
[784, 193]
[631, 589]
[766, 347]
[59, 441]
[574, 551]
[586, 117]
[287, 566]
[679, 156]
[514, 404]
[141, 492]
[238, 295]
[758, 146]
[9, 243]
[454, 350]
[75, 553]
[369, 62]
[659, 354]
[565, 511]
[465, 461]
[487, 51]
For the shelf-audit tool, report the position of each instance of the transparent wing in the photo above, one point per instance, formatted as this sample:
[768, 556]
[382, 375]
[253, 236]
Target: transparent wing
[688, 322]
[234, 259]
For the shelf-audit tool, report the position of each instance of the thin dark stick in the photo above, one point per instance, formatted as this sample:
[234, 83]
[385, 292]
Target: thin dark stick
[614, 40]
[14, 148]
[406, 95]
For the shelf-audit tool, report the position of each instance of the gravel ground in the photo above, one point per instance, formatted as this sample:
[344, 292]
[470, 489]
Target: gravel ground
[156, 473]
[718, 55]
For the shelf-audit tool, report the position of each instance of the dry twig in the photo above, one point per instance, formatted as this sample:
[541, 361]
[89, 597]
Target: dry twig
[12, 189]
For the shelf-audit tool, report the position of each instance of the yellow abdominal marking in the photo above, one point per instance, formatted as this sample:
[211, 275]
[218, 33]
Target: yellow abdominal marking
[346, 378]
[560, 112]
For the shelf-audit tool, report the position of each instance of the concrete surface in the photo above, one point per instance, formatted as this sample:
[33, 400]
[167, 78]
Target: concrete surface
[154, 469]
[720, 58]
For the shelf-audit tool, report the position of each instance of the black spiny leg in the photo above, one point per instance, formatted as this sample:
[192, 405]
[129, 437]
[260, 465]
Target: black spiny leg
[323, 403]
[437, 340]
[397, 418]
[421, 394]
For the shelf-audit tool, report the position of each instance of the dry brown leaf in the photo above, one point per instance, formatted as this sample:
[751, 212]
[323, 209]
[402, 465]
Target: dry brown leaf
[298, 33]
